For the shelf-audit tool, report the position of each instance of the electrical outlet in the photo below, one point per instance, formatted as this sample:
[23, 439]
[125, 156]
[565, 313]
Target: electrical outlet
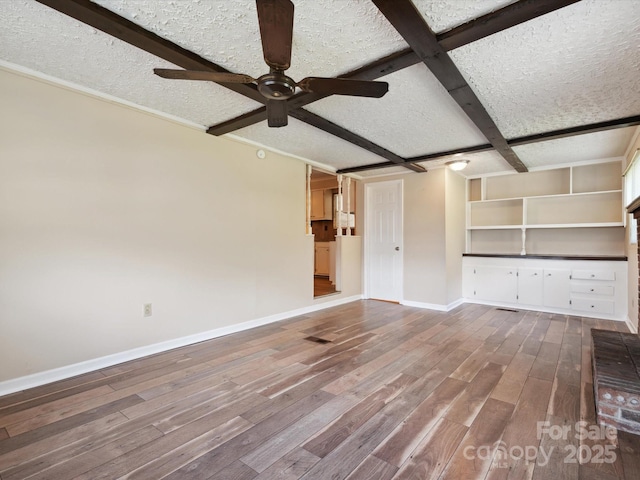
[147, 310]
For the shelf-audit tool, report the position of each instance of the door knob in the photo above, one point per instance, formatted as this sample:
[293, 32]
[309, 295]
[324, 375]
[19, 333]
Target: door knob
[397, 249]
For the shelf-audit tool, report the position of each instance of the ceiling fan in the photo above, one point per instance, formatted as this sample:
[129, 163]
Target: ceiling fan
[275, 18]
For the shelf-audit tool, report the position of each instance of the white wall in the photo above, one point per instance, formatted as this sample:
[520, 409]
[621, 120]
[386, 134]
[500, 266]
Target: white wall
[632, 250]
[104, 208]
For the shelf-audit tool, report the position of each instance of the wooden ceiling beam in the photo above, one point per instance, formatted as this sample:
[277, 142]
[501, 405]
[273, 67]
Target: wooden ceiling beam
[519, 12]
[119, 27]
[580, 130]
[330, 127]
[109, 22]
[494, 22]
[624, 122]
[410, 24]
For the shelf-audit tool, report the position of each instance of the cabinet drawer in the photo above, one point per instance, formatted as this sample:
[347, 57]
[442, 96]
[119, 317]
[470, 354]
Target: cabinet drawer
[593, 289]
[593, 275]
[593, 305]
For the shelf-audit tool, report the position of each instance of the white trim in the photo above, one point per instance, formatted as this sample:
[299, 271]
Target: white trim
[365, 178]
[68, 371]
[433, 306]
[632, 143]
[632, 162]
[632, 328]
[517, 306]
[57, 82]
[253, 143]
[551, 167]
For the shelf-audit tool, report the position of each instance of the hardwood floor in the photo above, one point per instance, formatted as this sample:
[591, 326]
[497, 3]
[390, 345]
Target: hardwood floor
[322, 286]
[398, 392]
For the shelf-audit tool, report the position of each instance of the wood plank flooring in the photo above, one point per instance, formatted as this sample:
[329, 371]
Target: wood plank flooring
[322, 286]
[396, 393]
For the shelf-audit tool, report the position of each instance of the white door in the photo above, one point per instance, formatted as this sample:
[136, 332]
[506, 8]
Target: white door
[383, 232]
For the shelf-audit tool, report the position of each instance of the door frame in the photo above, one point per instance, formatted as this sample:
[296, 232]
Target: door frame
[367, 235]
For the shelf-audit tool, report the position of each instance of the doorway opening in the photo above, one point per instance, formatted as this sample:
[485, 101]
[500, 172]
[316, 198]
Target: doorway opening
[328, 207]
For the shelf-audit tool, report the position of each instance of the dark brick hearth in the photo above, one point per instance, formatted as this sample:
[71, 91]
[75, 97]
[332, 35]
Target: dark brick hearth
[616, 379]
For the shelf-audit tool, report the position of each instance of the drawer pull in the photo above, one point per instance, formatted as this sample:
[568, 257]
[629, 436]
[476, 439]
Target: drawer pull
[592, 289]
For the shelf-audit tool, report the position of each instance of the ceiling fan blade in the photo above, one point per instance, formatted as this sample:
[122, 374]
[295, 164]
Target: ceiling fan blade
[343, 86]
[199, 75]
[276, 29]
[277, 113]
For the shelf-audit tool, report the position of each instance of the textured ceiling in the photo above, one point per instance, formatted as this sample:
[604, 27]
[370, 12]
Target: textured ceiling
[576, 66]
[443, 15]
[571, 67]
[298, 138]
[417, 115]
[594, 146]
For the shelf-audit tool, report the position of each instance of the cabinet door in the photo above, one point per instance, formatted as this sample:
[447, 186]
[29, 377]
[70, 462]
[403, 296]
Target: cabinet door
[530, 290]
[469, 281]
[322, 261]
[594, 305]
[557, 288]
[496, 284]
[317, 204]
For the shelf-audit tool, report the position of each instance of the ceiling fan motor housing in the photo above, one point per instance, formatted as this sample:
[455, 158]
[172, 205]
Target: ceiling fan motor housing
[276, 86]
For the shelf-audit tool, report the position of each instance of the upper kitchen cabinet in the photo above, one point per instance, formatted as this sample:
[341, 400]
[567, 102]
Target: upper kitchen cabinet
[321, 204]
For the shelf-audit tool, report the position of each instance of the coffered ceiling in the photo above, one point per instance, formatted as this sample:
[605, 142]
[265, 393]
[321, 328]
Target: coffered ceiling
[530, 83]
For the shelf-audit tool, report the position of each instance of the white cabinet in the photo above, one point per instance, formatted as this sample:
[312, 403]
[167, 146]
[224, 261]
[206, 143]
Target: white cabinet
[322, 259]
[496, 284]
[593, 305]
[557, 285]
[594, 288]
[321, 204]
[594, 275]
[530, 286]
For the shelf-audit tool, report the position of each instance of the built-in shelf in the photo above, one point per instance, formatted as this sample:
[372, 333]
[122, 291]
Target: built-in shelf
[502, 209]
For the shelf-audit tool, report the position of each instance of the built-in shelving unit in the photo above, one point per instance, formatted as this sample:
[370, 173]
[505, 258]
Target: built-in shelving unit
[581, 205]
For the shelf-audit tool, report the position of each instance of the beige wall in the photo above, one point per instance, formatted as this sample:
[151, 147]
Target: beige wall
[424, 238]
[433, 209]
[104, 208]
[455, 232]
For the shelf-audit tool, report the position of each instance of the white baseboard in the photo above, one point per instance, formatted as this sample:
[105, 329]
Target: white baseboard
[632, 328]
[560, 311]
[433, 306]
[68, 371]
